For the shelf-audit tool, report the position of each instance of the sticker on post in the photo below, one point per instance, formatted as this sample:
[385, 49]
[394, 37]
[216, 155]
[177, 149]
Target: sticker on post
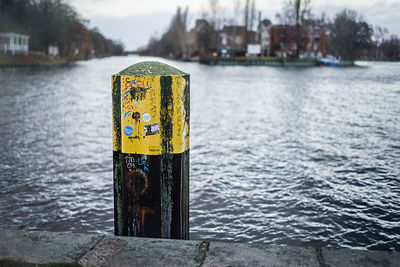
[128, 131]
[151, 129]
[146, 117]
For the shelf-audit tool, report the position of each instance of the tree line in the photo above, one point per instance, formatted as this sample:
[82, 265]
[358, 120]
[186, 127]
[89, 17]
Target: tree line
[348, 35]
[353, 38]
[54, 22]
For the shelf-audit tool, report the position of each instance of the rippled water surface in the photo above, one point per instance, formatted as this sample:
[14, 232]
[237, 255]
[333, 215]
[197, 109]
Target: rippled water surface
[307, 157]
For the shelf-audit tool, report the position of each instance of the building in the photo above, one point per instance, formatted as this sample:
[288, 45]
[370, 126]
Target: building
[14, 43]
[236, 39]
[200, 40]
[203, 40]
[282, 40]
[311, 38]
[316, 37]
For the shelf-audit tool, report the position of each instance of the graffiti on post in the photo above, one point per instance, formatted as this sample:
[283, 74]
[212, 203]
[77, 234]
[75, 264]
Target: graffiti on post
[139, 187]
[133, 95]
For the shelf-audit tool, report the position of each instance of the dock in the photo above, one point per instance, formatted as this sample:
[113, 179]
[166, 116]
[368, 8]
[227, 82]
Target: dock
[266, 61]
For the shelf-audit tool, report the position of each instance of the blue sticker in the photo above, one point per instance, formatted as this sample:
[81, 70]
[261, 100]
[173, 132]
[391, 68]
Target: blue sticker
[128, 130]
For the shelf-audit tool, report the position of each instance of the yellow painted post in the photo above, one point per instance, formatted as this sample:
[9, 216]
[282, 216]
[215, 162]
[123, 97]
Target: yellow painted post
[151, 111]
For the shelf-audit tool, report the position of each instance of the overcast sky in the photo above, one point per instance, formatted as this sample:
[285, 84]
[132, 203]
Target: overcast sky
[134, 22]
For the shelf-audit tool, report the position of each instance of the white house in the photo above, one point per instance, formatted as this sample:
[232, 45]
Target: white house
[14, 43]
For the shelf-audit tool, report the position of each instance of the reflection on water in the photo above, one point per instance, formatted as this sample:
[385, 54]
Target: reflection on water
[305, 157]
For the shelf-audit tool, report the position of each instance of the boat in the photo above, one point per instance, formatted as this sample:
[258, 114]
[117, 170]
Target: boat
[329, 60]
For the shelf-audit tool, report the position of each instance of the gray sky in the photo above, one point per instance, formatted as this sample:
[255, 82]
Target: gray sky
[134, 22]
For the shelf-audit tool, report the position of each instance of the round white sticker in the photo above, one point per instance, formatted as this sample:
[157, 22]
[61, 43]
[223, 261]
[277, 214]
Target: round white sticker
[146, 117]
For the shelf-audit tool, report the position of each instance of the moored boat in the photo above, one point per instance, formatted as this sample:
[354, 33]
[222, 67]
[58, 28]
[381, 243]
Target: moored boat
[329, 61]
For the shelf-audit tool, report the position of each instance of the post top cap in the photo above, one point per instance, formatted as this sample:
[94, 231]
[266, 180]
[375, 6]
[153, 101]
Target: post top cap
[150, 68]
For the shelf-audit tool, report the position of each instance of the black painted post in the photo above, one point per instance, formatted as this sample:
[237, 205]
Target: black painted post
[151, 151]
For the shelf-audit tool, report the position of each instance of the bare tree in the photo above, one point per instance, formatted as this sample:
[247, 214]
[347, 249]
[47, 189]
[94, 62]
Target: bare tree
[178, 30]
[391, 48]
[237, 11]
[173, 42]
[350, 35]
[252, 15]
[214, 13]
[295, 12]
[246, 14]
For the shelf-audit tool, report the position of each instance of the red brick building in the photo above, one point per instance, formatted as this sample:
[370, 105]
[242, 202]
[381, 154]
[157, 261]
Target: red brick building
[311, 37]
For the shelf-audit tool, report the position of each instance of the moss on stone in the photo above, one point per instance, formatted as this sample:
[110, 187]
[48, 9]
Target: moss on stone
[150, 68]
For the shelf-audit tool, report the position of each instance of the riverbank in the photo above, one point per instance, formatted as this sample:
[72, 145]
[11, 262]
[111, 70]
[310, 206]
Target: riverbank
[267, 61]
[36, 59]
[40, 59]
[31, 248]
[32, 59]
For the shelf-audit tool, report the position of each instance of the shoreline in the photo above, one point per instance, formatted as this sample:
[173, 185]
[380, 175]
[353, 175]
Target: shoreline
[270, 62]
[30, 60]
[36, 59]
[39, 59]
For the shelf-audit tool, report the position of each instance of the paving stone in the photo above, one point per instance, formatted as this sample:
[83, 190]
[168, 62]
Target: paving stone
[364, 258]
[45, 247]
[233, 254]
[18, 248]
[126, 251]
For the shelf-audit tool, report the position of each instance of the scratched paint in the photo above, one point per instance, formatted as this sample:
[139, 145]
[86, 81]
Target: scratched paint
[151, 151]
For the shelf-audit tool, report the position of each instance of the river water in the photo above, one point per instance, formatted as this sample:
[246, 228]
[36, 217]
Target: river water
[293, 156]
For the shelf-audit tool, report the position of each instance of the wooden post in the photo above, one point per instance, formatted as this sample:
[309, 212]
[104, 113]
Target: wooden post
[151, 151]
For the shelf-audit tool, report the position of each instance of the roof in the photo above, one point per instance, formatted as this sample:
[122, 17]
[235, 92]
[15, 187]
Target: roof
[233, 29]
[150, 68]
[200, 25]
[12, 34]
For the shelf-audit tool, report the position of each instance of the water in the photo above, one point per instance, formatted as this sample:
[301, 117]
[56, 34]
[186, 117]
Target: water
[305, 157]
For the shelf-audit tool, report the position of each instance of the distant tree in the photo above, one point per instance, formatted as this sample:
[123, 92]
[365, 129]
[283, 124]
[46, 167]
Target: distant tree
[391, 48]
[246, 14]
[249, 14]
[173, 41]
[53, 22]
[380, 33]
[12, 15]
[177, 31]
[252, 15]
[350, 34]
[294, 12]
[214, 13]
[237, 12]
[379, 37]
